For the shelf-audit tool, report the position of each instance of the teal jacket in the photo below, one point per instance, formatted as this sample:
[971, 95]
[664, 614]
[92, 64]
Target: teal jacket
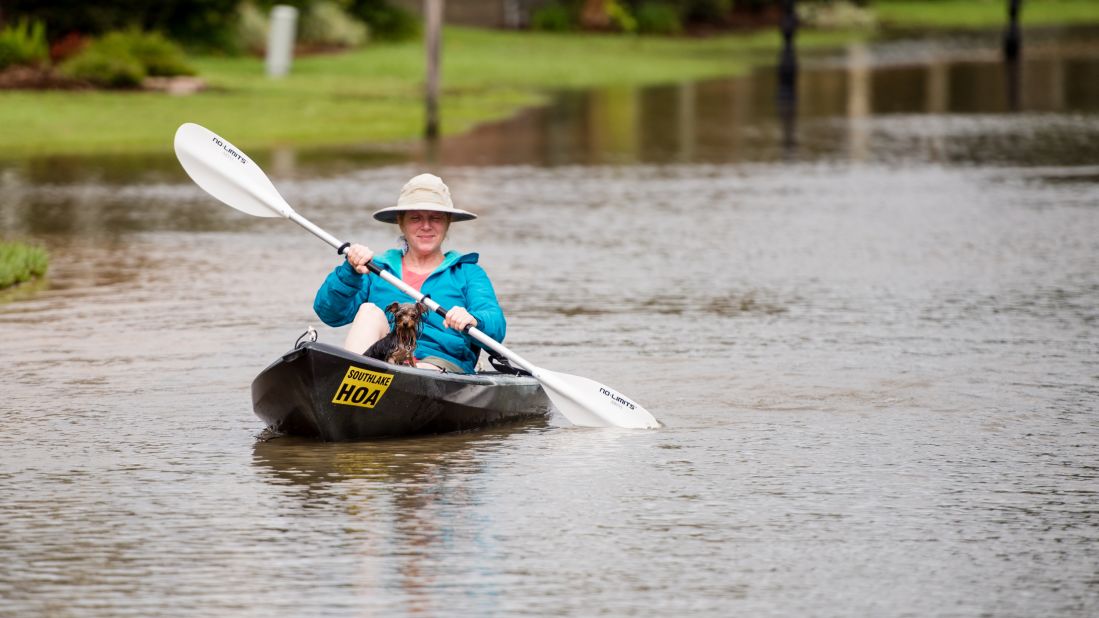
[458, 281]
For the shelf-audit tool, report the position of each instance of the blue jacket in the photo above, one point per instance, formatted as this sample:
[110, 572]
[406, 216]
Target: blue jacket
[458, 281]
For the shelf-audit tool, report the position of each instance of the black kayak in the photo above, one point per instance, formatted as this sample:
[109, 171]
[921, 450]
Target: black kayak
[323, 391]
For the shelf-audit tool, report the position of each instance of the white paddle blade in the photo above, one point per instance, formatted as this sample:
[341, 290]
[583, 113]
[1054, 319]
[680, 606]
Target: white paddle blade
[225, 172]
[588, 403]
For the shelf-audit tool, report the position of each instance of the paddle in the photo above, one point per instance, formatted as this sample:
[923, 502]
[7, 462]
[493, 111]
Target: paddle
[224, 172]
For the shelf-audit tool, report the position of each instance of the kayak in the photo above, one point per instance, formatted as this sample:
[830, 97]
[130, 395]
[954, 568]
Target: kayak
[323, 391]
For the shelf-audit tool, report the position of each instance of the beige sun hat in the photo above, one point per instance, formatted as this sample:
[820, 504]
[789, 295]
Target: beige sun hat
[424, 192]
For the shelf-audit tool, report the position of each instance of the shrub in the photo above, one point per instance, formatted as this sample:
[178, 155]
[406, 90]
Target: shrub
[207, 24]
[159, 56]
[67, 46]
[658, 18]
[124, 59]
[23, 43]
[105, 69]
[325, 23]
[386, 22]
[553, 17]
[620, 16]
[20, 262]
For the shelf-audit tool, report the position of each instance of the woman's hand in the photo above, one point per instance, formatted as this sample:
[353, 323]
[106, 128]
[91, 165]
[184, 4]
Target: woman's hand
[458, 319]
[358, 256]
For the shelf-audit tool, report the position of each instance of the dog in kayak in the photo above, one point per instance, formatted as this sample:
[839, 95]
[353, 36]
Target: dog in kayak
[399, 346]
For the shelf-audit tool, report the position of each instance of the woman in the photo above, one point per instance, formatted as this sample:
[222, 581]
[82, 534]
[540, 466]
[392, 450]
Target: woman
[424, 212]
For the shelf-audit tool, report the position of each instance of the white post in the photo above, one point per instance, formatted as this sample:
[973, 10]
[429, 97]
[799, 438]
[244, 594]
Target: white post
[280, 40]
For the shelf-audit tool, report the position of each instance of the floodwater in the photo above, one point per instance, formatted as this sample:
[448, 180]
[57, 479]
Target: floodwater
[870, 330]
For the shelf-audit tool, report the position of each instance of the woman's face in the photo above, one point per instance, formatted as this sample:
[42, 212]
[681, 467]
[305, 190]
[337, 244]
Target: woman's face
[424, 230]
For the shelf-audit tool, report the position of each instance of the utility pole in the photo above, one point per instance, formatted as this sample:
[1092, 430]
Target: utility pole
[1012, 39]
[433, 15]
[788, 61]
[1013, 45]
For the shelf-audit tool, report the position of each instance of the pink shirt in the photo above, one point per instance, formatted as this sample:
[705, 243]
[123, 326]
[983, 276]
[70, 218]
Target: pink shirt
[413, 279]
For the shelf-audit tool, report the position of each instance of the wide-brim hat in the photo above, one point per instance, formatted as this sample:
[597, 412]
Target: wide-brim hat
[424, 192]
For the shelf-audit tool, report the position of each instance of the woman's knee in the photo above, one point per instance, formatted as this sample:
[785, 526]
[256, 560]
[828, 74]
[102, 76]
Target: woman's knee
[369, 312]
[370, 320]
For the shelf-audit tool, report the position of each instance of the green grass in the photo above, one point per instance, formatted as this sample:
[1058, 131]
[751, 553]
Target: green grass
[984, 13]
[20, 262]
[373, 94]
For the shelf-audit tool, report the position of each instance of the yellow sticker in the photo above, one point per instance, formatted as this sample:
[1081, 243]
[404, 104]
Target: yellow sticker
[362, 387]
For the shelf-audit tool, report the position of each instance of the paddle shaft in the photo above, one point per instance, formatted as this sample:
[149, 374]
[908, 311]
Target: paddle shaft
[472, 331]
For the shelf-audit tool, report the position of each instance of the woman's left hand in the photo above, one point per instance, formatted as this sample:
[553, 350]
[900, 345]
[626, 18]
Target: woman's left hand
[458, 319]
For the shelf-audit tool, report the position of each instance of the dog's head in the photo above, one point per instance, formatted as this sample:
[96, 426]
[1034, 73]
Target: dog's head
[407, 316]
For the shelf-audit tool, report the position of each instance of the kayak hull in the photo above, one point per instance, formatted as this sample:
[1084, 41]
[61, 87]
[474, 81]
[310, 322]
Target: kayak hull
[323, 391]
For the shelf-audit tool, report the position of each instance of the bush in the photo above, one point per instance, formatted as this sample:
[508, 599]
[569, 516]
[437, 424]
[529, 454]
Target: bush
[159, 56]
[658, 18]
[20, 262]
[124, 59]
[67, 46]
[207, 24]
[620, 16]
[23, 43]
[325, 23]
[104, 69]
[553, 17]
[386, 22]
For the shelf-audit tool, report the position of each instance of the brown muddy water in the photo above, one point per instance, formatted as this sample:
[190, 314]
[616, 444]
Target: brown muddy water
[871, 332]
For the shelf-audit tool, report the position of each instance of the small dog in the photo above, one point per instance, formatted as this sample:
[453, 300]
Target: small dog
[399, 345]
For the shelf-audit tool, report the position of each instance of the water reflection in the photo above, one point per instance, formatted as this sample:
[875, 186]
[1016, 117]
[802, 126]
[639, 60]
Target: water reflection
[859, 101]
[404, 505]
[740, 119]
[401, 464]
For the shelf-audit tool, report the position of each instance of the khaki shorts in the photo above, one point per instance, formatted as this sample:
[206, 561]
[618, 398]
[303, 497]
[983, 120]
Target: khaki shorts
[442, 363]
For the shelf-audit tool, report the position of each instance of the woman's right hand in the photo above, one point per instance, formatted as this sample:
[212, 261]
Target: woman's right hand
[358, 256]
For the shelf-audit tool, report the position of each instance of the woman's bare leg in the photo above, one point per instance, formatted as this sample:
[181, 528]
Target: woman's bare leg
[370, 325]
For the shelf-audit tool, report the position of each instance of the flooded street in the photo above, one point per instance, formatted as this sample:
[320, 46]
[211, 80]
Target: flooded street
[871, 330]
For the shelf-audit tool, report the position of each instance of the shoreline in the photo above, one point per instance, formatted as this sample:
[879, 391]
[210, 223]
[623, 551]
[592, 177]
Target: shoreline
[371, 97]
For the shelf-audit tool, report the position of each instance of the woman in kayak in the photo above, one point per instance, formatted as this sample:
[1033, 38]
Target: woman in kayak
[349, 295]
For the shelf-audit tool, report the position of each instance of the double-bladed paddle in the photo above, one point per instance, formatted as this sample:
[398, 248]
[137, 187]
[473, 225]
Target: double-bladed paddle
[226, 173]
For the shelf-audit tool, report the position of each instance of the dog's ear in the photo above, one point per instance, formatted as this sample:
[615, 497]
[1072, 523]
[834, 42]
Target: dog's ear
[393, 308]
[422, 308]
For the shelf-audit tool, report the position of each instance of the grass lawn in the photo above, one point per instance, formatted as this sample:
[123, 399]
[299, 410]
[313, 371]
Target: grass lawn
[984, 13]
[20, 262]
[373, 94]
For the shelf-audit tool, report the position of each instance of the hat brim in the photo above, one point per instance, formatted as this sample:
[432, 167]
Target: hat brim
[389, 215]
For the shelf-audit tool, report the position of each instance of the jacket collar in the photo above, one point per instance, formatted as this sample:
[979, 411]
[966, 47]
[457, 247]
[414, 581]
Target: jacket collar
[392, 260]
